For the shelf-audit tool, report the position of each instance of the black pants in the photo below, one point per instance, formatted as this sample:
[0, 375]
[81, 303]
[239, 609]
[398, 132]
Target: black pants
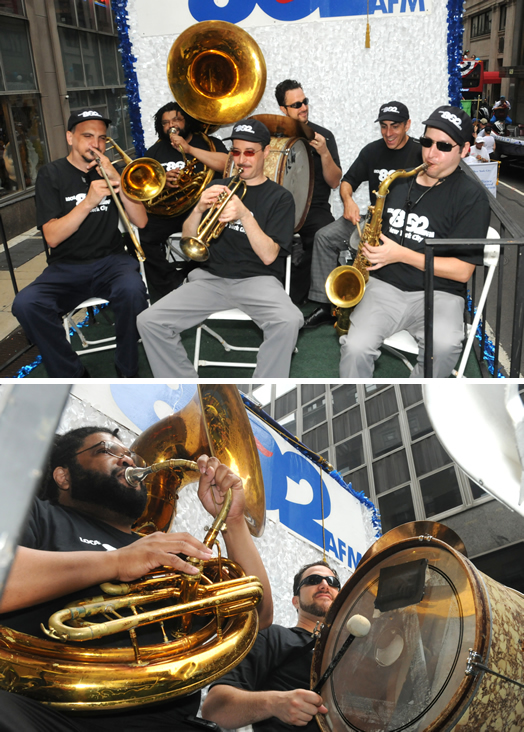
[317, 217]
[20, 714]
[162, 276]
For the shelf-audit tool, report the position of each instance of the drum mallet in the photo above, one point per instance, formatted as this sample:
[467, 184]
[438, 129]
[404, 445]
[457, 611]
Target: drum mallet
[358, 627]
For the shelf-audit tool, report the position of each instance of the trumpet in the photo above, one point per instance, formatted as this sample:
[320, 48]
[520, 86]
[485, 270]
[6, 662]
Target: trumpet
[197, 247]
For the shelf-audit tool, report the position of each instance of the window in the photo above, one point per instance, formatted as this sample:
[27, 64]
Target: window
[310, 391]
[313, 414]
[440, 492]
[12, 6]
[390, 471]
[386, 437]
[418, 420]
[317, 439]
[502, 16]
[481, 24]
[350, 454]
[285, 404]
[359, 481]
[346, 425]
[22, 145]
[396, 508]
[411, 393]
[16, 62]
[381, 406]
[344, 396]
[429, 455]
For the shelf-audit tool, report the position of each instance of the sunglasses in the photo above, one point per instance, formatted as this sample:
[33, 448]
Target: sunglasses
[246, 153]
[297, 105]
[442, 146]
[316, 579]
[116, 450]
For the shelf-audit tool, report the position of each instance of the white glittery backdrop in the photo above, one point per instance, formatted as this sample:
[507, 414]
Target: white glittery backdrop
[345, 82]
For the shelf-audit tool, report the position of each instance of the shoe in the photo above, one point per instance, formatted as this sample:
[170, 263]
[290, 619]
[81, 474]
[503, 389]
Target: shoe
[124, 376]
[318, 317]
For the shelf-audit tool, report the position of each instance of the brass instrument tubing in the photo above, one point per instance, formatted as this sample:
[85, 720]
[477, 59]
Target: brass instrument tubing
[139, 251]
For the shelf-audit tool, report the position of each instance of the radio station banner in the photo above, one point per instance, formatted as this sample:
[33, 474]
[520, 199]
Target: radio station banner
[298, 492]
[252, 13]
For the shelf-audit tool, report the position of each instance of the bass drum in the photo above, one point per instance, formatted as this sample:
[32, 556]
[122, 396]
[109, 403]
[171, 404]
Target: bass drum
[290, 164]
[410, 672]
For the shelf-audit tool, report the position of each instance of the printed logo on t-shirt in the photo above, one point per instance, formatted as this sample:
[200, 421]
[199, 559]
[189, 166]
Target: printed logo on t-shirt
[79, 197]
[383, 173]
[174, 166]
[416, 226]
[95, 542]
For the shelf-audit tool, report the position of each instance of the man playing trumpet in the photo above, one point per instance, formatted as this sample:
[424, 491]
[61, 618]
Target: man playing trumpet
[78, 219]
[245, 268]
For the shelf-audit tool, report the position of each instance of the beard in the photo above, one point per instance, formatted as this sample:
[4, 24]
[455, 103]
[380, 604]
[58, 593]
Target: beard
[314, 608]
[182, 133]
[107, 491]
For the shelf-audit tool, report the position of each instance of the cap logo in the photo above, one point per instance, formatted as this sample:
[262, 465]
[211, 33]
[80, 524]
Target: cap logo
[245, 128]
[451, 118]
[89, 114]
[390, 109]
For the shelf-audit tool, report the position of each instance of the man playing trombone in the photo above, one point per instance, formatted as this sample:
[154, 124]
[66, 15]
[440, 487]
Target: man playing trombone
[244, 270]
[78, 218]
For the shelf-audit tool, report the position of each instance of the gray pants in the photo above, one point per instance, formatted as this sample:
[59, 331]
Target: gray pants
[329, 242]
[262, 298]
[385, 310]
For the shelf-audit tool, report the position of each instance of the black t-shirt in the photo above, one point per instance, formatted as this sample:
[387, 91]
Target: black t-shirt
[278, 661]
[321, 189]
[58, 528]
[457, 208]
[59, 188]
[172, 159]
[376, 161]
[232, 256]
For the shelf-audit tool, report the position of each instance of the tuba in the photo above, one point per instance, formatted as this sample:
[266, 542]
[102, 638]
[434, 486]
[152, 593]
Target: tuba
[217, 74]
[345, 285]
[208, 622]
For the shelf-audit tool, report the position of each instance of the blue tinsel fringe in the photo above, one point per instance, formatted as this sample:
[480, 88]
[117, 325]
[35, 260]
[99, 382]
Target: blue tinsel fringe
[489, 347]
[455, 31]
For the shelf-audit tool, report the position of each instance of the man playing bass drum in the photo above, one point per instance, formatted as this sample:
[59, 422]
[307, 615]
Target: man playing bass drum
[441, 202]
[173, 151]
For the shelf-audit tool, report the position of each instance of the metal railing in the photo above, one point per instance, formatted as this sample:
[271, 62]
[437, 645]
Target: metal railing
[502, 324]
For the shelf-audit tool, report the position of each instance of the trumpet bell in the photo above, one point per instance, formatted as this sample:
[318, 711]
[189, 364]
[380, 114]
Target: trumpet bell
[194, 248]
[143, 179]
[215, 423]
[216, 72]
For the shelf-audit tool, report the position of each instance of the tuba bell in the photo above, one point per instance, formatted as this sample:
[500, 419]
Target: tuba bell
[217, 74]
[208, 622]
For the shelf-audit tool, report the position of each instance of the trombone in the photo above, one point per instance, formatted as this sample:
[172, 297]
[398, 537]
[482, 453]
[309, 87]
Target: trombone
[141, 180]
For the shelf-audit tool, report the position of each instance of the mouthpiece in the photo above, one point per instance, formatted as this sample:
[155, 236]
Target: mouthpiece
[135, 476]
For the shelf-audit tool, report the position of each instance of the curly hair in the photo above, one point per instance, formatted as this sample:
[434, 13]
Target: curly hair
[192, 125]
[63, 454]
[283, 87]
[298, 577]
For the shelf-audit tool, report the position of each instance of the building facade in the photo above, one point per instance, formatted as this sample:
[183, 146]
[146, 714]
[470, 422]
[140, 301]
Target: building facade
[494, 33]
[379, 437]
[56, 56]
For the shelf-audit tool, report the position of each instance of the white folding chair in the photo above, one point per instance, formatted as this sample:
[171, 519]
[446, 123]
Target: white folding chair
[235, 314]
[403, 342]
[70, 324]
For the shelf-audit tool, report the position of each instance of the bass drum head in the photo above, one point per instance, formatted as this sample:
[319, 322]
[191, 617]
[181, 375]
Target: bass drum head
[408, 673]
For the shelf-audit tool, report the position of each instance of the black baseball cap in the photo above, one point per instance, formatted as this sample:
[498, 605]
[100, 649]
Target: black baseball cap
[252, 130]
[83, 115]
[453, 121]
[393, 112]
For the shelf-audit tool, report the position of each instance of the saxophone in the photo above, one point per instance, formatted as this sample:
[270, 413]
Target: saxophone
[346, 285]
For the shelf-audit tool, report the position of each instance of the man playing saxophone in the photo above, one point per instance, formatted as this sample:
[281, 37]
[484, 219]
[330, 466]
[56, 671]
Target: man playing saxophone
[245, 268]
[78, 535]
[440, 202]
[179, 144]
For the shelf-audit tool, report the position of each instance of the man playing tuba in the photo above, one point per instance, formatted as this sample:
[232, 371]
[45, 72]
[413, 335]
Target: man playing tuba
[179, 145]
[245, 268]
[80, 536]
